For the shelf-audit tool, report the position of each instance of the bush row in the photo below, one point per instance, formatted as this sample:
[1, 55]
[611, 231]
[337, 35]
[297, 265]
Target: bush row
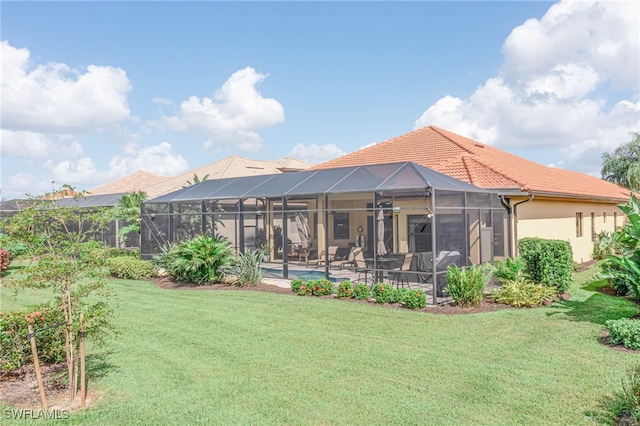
[381, 292]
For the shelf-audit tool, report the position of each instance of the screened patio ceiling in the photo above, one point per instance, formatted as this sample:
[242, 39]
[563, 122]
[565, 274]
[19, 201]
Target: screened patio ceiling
[381, 178]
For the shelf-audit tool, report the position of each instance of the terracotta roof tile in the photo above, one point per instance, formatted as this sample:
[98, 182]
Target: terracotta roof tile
[137, 181]
[479, 164]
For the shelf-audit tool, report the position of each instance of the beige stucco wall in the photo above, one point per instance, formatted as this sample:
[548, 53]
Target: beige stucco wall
[556, 219]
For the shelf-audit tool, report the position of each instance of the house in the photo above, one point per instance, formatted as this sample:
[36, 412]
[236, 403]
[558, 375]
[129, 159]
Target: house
[542, 201]
[232, 166]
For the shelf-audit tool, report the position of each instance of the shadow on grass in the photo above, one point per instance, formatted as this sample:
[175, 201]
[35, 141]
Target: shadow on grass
[98, 366]
[597, 309]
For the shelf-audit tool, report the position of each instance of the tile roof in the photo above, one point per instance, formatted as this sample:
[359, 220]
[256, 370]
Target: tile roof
[479, 164]
[137, 181]
[232, 166]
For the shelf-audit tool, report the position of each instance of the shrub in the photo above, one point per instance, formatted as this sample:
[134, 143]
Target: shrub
[245, 267]
[198, 261]
[14, 345]
[296, 284]
[345, 289]
[361, 291]
[625, 332]
[548, 262]
[13, 247]
[4, 259]
[400, 294]
[323, 287]
[415, 299]
[623, 271]
[466, 285]
[508, 269]
[523, 294]
[129, 268]
[383, 293]
[122, 252]
[602, 245]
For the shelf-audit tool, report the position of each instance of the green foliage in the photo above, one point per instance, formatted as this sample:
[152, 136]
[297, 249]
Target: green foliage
[602, 245]
[128, 211]
[345, 289]
[625, 332]
[361, 291]
[415, 299]
[383, 293]
[523, 294]
[548, 262]
[400, 294]
[321, 287]
[623, 271]
[630, 395]
[129, 268]
[508, 269]
[197, 261]
[245, 267]
[622, 167]
[15, 248]
[296, 284]
[15, 349]
[466, 285]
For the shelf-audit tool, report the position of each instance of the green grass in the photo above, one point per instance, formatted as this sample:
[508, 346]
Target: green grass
[242, 357]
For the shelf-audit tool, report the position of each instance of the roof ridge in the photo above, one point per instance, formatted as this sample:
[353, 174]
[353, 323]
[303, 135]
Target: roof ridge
[512, 179]
[439, 131]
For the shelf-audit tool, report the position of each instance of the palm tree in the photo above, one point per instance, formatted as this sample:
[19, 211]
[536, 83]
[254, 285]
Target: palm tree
[196, 180]
[622, 167]
[128, 210]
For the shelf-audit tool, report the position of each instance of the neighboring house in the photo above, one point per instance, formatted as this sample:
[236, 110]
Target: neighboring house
[543, 201]
[138, 181]
[232, 166]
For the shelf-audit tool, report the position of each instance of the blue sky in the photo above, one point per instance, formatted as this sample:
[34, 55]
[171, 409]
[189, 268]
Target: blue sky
[93, 91]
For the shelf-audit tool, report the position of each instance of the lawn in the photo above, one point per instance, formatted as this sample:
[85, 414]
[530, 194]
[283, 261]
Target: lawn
[242, 357]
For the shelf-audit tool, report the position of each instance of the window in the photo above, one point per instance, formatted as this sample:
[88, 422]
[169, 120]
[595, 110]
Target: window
[419, 233]
[593, 226]
[340, 226]
[615, 221]
[578, 225]
[604, 217]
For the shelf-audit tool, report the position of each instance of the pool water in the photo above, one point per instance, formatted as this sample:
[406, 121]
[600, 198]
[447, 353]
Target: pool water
[303, 275]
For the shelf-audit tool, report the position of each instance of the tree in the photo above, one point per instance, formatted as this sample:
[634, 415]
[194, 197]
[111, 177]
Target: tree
[61, 236]
[623, 166]
[128, 210]
[196, 180]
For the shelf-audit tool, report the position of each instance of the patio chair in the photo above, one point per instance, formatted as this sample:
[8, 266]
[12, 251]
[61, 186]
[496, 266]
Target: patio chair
[350, 260]
[398, 277]
[324, 258]
[361, 265]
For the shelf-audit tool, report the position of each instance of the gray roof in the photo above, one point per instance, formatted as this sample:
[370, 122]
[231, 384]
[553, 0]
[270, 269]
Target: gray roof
[368, 178]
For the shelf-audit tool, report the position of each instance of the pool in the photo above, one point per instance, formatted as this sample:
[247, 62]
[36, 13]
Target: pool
[303, 275]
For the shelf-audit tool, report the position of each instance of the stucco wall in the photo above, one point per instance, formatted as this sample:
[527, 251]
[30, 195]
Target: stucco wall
[556, 219]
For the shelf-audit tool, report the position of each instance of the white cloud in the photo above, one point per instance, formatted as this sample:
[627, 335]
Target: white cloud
[551, 89]
[235, 114]
[315, 153]
[25, 144]
[78, 171]
[54, 98]
[159, 159]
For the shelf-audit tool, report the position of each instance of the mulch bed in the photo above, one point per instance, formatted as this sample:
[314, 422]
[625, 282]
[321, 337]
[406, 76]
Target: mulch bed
[486, 305]
[19, 389]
